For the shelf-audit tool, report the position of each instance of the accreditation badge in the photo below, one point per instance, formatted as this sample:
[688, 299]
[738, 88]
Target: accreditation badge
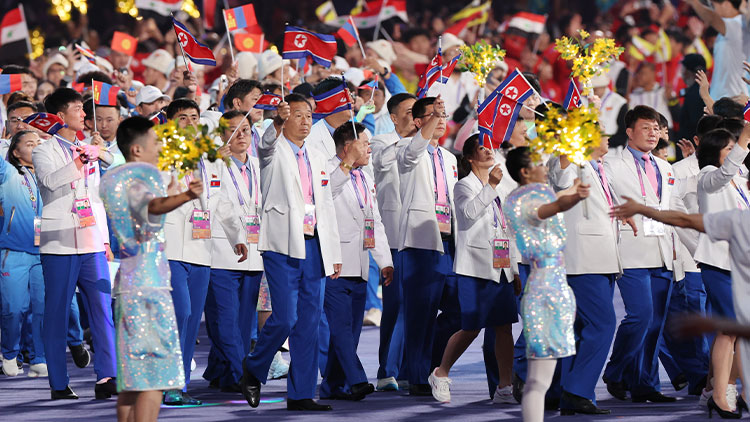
[443, 214]
[501, 253]
[252, 228]
[201, 224]
[37, 230]
[369, 237]
[83, 211]
[308, 223]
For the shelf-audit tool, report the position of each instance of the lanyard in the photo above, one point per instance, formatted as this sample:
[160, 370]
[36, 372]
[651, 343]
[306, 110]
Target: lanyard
[434, 174]
[744, 198]
[33, 197]
[604, 100]
[69, 153]
[204, 177]
[640, 179]
[253, 187]
[502, 214]
[356, 189]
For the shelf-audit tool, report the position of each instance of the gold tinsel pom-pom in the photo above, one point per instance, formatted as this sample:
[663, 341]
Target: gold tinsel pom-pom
[589, 59]
[575, 134]
[480, 59]
[182, 148]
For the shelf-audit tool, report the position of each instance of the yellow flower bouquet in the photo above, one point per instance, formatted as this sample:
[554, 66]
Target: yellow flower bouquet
[480, 59]
[589, 59]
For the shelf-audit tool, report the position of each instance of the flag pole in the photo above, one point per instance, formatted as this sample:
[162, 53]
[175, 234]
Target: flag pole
[229, 35]
[536, 43]
[28, 41]
[376, 87]
[351, 21]
[351, 108]
[93, 101]
[238, 127]
[184, 56]
[377, 25]
[282, 78]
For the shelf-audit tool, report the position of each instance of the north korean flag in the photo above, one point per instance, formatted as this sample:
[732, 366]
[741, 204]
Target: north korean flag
[448, 69]
[158, 118]
[105, 94]
[331, 102]
[195, 51]
[485, 119]
[268, 101]
[515, 87]
[10, 83]
[46, 122]
[573, 97]
[745, 112]
[506, 117]
[300, 43]
[431, 74]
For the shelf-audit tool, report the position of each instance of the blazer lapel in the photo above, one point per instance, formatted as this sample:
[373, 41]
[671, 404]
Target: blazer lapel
[639, 174]
[291, 157]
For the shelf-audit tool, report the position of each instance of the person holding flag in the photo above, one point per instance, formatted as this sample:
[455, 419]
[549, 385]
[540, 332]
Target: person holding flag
[334, 108]
[106, 111]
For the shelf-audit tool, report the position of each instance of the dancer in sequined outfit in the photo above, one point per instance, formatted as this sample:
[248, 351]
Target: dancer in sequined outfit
[148, 348]
[548, 305]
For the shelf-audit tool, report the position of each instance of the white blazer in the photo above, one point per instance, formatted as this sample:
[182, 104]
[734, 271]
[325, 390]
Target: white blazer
[284, 206]
[351, 223]
[686, 200]
[419, 226]
[321, 139]
[716, 194]
[475, 230]
[387, 182]
[222, 252]
[178, 228]
[60, 183]
[641, 251]
[591, 247]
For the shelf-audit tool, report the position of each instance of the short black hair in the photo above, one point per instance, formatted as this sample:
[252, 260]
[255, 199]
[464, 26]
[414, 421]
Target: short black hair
[296, 98]
[304, 88]
[706, 124]
[397, 99]
[231, 114]
[239, 89]
[640, 112]
[14, 69]
[380, 84]
[327, 84]
[414, 33]
[661, 144]
[533, 81]
[130, 131]
[518, 159]
[96, 75]
[345, 133]
[663, 122]
[420, 106]
[20, 104]
[734, 126]
[270, 87]
[181, 104]
[711, 145]
[59, 100]
[471, 144]
[728, 108]
[14, 141]
[19, 96]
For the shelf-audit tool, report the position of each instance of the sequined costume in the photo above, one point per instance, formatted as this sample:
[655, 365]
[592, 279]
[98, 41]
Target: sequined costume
[148, 347]
[548, 305]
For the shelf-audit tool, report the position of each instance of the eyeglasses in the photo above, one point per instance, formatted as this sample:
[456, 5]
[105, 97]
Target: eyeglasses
[440, 116]
[15, 119]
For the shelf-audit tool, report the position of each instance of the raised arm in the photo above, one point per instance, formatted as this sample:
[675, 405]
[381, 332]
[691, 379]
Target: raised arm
[408, 157]
[50, 177]
[566, 200]
[267, 144]
[673, 218]
[712, 181]
[709, 16]
[472, 206]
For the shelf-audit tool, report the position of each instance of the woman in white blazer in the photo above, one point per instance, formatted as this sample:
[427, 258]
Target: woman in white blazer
[485, 291]
[719, 158]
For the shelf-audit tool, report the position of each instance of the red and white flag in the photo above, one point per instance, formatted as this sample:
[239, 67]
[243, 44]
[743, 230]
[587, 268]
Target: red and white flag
[13, 27]
[528, 22]
[380, 10]
[162, 7]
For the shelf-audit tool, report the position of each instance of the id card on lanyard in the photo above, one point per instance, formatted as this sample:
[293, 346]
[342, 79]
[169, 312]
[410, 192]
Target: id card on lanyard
[201, 219]
[651, 228]
[81, 205]
[369, 226]
[251, 220]
[500, 246]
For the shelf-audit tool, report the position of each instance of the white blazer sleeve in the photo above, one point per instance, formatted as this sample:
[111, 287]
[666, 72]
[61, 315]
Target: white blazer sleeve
[47, 172]
[560, 178]
[473, 207]
[408, 157]
[267, 146]
[227, 216]
[716, 179]
[338, 180]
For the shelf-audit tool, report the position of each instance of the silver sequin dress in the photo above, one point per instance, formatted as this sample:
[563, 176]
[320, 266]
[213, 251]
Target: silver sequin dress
[548, 305]
[147, 342]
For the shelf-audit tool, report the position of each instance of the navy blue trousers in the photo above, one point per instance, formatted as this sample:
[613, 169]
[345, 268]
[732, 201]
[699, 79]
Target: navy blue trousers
[345, 299]
[62, 273]
[230, 315]
[294, 285]
[391, 350]
[635, 352]
[189, 289]
[594, 329]
[427, 279]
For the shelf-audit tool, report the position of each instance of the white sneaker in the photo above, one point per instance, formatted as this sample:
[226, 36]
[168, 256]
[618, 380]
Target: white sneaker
[372, 317]
[387, 384]
[705, 395]
[279, 367]
[504, 395]
[732, 397]
[441, 387]
[10, 367]
[38, 370]
[193, 365]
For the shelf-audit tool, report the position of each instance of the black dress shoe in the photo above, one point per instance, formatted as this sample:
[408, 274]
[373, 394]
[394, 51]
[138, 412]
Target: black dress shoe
[306, 405]
[359, 391]
[617, 389]
[551, 403]
[570, 404]
[741, 404]
[105, 390]
[680, 382]
[517, 388]
[66, 394]
[653, 397]
[189, 401]
[250, 387]
[214, 383]
[420, 390]
[81, 356]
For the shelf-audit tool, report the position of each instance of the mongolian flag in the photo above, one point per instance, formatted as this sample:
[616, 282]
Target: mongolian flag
[10, 83]
[348, 33]
[240, 17]
[105, 94]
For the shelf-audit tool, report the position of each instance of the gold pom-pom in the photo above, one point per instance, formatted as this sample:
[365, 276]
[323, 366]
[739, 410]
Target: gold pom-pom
[480, 59]
[589, 59]
[575, 134]
[183, 148]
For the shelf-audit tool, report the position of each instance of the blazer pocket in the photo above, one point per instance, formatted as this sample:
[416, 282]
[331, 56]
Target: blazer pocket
[279, 208]
[591, 229]
[389, 206]
[478, 243]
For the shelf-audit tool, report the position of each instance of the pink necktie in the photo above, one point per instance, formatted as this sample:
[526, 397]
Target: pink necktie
[360, 185]
[651, 174]
[243, 170]
[304, 177]
[605, 183]
[439, 179]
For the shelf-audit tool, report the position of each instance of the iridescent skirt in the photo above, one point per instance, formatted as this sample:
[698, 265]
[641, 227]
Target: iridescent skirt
[147, 342]
[548, 308]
